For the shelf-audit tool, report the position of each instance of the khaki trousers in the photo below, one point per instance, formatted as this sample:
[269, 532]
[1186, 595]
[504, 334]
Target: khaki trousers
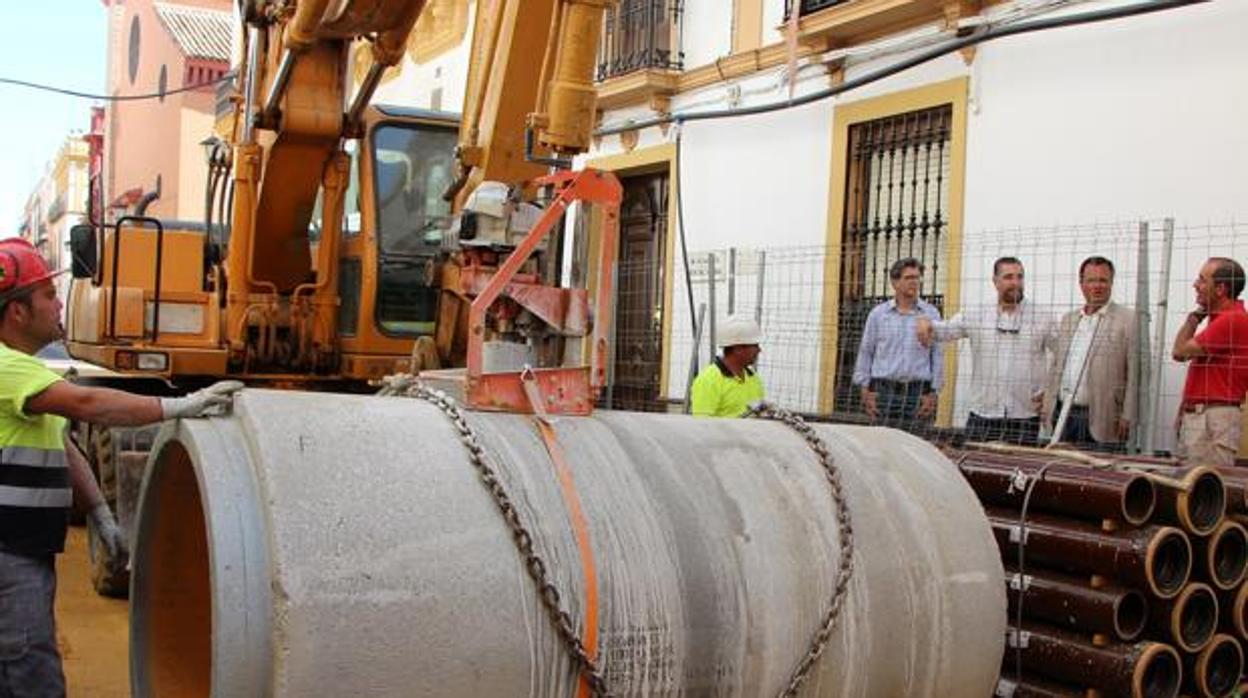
[1210, 436]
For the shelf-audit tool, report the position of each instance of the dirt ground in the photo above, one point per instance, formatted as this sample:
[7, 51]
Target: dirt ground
[92, 631]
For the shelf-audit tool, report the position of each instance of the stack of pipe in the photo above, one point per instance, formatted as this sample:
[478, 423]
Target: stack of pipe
[1131, 577]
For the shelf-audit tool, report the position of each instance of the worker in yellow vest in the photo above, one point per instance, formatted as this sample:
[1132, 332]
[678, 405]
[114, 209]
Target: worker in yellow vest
[729, 385]
[42, 475]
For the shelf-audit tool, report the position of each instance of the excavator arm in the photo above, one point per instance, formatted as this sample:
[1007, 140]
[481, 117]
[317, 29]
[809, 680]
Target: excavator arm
[501, 309]
[288, 135]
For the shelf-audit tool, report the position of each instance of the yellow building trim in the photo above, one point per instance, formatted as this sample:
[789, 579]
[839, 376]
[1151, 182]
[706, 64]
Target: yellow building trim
[637, 162]
[441, 27]
[952, 92]
[840, 26]
[747, 25]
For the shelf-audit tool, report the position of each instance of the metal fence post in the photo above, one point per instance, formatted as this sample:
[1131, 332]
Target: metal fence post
[758, 303]
[1163, 310]
[611, 334]
[1142, 349]
[732, 280]
[710, 295]
[693, 356]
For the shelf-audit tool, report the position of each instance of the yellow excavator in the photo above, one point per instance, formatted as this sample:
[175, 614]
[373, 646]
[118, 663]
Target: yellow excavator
[354, 240]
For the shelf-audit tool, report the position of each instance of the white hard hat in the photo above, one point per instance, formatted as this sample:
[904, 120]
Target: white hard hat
[738, 330]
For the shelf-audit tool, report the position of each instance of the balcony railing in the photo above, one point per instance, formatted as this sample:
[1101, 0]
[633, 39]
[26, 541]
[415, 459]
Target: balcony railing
[639, 35]
[809, 6]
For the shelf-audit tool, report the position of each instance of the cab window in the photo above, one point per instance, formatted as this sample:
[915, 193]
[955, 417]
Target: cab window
[413, 165]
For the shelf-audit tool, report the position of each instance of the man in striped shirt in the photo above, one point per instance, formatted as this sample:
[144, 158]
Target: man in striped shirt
[42, 475]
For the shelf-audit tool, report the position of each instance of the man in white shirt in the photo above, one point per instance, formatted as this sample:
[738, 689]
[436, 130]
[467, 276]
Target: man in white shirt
[1093, 375]
[1009, 340]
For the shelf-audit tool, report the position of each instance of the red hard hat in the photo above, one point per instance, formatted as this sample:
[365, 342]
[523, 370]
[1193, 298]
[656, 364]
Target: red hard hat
[21, 266]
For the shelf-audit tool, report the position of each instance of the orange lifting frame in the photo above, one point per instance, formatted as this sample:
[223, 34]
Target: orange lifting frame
[564, 390]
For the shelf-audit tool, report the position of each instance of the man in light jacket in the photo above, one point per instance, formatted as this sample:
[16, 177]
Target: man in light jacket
[1093, 377]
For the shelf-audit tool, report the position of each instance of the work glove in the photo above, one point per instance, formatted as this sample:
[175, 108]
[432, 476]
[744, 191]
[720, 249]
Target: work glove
[213, 400]
[110, 535]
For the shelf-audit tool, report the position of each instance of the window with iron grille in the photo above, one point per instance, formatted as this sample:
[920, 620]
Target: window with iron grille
[896, 206]
[639, 35]
[809, 6]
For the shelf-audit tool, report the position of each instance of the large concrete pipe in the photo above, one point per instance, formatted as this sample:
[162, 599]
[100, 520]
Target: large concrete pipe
[335, 545]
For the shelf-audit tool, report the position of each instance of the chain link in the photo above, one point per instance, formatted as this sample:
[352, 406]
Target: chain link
[845, 529]
[548, 593]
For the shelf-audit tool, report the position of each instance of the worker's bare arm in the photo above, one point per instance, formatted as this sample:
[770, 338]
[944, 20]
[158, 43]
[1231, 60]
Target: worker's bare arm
[1185, 347]
[103, 406]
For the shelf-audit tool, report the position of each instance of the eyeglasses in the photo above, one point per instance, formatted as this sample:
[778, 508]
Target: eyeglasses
[1014, 327]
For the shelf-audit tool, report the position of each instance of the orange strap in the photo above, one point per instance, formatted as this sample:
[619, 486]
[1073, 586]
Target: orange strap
[580, 526]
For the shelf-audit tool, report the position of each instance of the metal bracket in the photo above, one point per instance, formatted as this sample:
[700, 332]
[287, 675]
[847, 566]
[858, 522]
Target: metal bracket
[1005, 689]
[1018, 482]
[1017, 534]
[1020, 582]
[1017, 639]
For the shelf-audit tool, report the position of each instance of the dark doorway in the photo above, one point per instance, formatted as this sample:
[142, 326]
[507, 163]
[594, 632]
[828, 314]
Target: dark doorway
[639, 293]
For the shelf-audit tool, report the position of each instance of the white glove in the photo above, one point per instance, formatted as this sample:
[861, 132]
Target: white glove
[213, 400]
[110, 535]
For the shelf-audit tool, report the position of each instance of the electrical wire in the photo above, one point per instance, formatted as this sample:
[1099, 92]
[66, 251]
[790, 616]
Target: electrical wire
[976, 36]
[114, 98]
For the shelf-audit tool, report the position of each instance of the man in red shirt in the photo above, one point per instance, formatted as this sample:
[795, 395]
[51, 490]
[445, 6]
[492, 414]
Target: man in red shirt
[1210, 417]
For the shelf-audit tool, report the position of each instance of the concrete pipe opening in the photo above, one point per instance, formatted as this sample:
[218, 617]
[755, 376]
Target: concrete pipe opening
[1158, 673]
[1139, 501]
[1203, 507]
[176, 618]
[314, 544]
[1169, 562]
[1130, 615]
[1196, 617]
[1228, 556]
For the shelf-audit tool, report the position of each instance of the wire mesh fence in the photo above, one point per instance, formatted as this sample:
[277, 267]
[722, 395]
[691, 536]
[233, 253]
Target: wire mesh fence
[1011, 347]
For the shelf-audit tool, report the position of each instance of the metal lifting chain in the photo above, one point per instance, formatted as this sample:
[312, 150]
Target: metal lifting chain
[551, 599]
[845, 530]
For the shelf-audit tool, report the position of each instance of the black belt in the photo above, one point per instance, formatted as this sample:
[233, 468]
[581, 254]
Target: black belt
[924, 386]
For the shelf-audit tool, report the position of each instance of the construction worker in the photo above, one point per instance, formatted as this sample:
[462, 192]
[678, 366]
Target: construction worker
[42, 475]
[1210, 416]
[729, 385]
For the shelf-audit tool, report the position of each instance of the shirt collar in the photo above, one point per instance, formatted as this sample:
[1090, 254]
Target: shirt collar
[1099, 311]
[727, 372]
[919, 304]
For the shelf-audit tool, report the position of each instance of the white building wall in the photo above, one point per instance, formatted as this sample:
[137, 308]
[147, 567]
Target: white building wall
[707, 31]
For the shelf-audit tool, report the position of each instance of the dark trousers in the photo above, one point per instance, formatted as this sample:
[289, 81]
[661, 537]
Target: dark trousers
[30, 663]
[1078, 430]
[898, 402]
[1024, 432]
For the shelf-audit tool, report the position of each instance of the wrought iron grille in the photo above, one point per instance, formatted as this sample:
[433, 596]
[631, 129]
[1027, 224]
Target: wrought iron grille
[896, 204]
[809, 6]
[641, 34]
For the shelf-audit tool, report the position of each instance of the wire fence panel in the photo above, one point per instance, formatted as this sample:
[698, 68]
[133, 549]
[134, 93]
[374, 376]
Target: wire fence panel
[997, 364]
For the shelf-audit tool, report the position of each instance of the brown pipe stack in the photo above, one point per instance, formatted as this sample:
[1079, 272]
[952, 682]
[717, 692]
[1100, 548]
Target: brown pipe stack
[1140, 670]
[1156, 558]
[1214, 672]
[1222, 557]
[1187, 621]
[1067, 602]
[1199, 507]
[1233, 612]
[1235, 480]
[1072, 490]
[1100, 544]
